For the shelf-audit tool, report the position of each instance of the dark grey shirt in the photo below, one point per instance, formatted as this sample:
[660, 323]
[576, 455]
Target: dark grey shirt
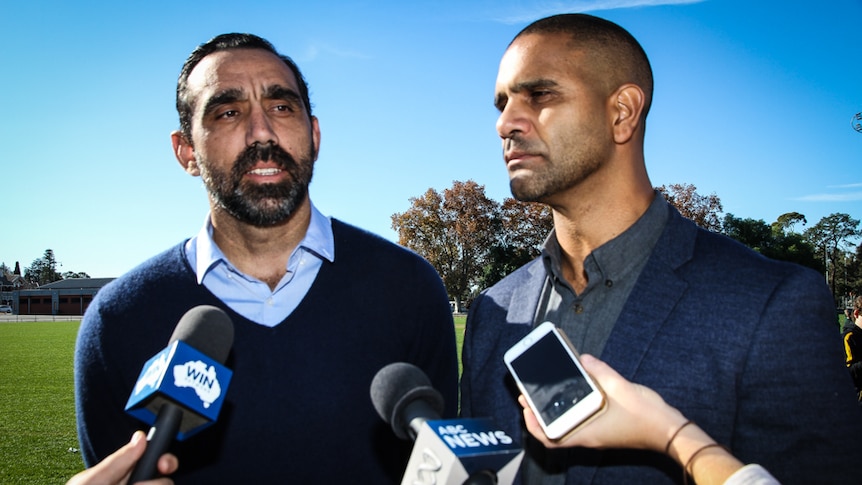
[588, 318]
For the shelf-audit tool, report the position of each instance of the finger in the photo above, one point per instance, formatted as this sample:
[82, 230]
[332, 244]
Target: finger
[124, 459]
[533, 426]
[595, 366]
[117, 466]
[168, 464]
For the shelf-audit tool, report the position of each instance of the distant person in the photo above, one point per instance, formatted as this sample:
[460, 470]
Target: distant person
[853, 347]
[742, 345]
[304, 292]
[849, 323]
[638, 418]
[116, 469]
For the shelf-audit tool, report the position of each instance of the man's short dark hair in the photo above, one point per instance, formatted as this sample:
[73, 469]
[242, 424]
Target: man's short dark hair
[225, 42]
[611, 48]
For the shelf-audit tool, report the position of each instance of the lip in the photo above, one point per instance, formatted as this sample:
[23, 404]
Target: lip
[265, 172]
[515, 157]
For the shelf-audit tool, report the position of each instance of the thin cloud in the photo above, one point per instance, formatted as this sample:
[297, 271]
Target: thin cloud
[551, 8]
[846, 186]
[846, 197]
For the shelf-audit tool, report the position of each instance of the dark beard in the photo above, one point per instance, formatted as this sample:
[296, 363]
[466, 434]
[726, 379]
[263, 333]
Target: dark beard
[255, 204]
[556, 175]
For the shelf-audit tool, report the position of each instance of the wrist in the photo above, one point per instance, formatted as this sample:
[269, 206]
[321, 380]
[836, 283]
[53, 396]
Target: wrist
[675, 434]
[670, 423]
[688, 440]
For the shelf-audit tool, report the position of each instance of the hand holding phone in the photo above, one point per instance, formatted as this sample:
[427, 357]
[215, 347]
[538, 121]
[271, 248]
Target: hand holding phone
[559, 391]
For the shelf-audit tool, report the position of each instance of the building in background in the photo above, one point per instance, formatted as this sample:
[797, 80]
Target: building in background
[64, 297]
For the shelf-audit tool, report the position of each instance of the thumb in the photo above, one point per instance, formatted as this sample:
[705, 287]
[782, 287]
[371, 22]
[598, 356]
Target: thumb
[117, 466]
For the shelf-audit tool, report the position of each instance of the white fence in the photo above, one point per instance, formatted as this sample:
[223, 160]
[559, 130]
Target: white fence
[8, 317]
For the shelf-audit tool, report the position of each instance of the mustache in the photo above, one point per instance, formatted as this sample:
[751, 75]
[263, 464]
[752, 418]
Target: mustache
[516, 142]
[269, 152]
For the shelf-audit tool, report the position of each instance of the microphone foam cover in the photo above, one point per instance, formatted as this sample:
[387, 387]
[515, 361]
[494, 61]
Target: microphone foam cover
[207, 329]
[398, 385]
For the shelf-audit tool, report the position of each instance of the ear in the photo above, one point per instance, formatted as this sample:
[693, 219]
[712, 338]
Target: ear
[315, 135]
[628, 105]
[185, 153]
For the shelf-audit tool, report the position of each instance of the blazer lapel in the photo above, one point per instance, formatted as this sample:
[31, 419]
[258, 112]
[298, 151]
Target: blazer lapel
[525, 297]
[654, 296]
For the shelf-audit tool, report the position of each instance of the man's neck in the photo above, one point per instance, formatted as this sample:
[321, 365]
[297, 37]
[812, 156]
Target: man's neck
[588, 222]
[260, 252]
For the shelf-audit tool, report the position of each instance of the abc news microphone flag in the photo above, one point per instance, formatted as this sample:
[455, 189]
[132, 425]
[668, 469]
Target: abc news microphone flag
[445, 451]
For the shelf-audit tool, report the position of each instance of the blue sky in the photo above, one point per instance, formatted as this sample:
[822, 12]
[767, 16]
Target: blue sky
[753, 102]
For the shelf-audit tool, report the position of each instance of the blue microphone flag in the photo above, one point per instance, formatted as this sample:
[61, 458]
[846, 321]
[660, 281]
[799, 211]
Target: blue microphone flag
[186, 377]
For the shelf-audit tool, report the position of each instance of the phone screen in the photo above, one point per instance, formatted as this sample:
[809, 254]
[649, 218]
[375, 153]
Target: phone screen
[550, 377]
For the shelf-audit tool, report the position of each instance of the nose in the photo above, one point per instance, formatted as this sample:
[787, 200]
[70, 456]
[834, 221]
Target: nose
[512, 121]
[260, 129]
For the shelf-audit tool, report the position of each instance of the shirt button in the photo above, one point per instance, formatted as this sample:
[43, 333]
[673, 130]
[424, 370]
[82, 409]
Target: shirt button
[269, 301]
[579, 308]
[609, 283]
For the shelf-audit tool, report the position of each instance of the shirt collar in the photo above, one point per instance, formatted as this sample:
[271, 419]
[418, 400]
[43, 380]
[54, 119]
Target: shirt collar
[204, 254]
[619, 255]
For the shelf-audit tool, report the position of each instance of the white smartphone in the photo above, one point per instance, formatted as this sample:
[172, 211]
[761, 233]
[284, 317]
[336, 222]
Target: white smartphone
[558, 389]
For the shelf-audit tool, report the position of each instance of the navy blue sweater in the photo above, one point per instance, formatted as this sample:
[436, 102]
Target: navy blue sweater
[298, 408]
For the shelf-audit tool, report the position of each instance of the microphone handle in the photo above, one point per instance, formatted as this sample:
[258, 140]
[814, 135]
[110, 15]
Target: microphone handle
[482, 477]
[160, 437]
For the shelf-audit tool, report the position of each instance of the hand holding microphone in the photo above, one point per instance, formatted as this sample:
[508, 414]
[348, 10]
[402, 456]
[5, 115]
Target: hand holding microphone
[116, 469]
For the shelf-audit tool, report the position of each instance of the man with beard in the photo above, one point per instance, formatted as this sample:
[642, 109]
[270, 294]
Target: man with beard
[302, 290]
[742, 345]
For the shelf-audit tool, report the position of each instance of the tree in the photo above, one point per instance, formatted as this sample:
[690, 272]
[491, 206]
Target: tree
[525, 227]
[753, 233]
[785, 222]
[828, 236]
[854, 274]
[793, 247]
[525, 224]
[845, 270]
[71, 274]
[772, 241]
[43, 270]
[454, 231]
[704, 210]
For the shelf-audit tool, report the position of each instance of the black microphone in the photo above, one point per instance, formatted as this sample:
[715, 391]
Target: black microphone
[403, 396]
[181, 389]
[445, 451]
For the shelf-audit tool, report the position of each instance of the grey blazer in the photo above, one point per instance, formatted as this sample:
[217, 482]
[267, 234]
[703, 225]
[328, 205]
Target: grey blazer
[745, 346]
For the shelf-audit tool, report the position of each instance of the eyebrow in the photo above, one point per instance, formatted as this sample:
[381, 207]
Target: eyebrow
[277, 91]
[531, 85]
[221, 98]
[232, 95]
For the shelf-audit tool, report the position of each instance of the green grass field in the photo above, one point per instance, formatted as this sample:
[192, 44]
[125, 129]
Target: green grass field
[460, 320]
[38, 441]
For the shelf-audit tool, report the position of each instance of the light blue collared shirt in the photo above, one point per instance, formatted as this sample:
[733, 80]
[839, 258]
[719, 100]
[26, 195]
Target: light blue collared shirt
[251, 297]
